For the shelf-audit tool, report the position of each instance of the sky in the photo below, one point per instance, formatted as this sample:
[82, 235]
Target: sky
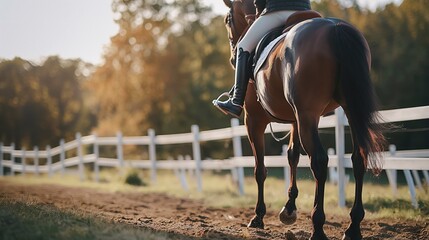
[36, 29]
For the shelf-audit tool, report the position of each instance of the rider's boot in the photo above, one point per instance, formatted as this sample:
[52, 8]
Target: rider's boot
[234, 105]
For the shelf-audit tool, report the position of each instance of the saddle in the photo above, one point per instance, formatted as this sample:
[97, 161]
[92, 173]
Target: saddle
[293, 19]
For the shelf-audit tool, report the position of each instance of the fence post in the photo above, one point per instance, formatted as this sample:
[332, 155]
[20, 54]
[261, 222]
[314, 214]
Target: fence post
[12, 158]
[119, 149]
[152, 154]
[49, 160]
[23, 162]
[79, 155]
[191, 172]
[409, 179]
[238, 152]
[197, 155]
[417, 179]
[1, 159]
[425, 174]
[411, 187]
[286, 170]
[333, 174]
[339, 145]
[96, 153]
[392, 175]
[181, 173]
[62, 157]
[36, 160]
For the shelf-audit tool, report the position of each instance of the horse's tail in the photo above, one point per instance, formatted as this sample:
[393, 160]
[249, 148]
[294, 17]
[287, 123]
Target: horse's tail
[357, 95]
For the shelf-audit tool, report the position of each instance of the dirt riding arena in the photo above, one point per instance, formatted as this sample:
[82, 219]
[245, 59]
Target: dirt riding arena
[193, 218]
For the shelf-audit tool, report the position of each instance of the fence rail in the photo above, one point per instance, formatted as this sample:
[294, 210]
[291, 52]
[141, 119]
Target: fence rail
[409, 161]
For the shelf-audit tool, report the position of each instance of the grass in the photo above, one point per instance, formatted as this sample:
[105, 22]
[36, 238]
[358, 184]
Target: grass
[220, 191]
[35, 221]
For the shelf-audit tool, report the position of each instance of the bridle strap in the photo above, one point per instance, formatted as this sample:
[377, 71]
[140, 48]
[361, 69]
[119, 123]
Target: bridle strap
[250, 18]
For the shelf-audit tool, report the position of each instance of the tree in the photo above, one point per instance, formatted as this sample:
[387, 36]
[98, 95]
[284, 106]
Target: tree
[399, 40]
[62, 80]
[160, 69]
[39, 104]
[25, 118]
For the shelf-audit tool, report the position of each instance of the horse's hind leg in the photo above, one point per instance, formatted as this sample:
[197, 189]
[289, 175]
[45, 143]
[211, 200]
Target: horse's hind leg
[357, 213]
[255, 131]
[308, 132]
[288, 213]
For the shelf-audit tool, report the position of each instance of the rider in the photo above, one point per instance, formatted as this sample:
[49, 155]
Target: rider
[273, 13]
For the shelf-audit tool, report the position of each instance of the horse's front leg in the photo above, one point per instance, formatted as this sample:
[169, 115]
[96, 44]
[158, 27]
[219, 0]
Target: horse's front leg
[288, 213]
[255, 131]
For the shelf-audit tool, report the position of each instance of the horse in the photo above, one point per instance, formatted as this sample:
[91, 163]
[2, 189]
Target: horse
[322, 64]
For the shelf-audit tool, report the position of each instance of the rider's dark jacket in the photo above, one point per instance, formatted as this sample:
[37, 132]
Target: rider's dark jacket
[279, 5]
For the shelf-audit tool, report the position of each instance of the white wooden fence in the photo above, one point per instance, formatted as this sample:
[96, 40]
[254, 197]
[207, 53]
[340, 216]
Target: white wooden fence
[408, 161]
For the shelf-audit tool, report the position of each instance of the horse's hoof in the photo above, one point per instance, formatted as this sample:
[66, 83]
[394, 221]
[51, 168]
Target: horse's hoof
[256, 222]
[290, 235]
[286, 218]
[345, 237]
[357, 237]
[319, 236]
[352, 233]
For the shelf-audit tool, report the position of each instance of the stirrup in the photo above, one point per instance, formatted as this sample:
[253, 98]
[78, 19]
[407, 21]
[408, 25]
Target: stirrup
[220, 96]
[215, 102]
[227, 111]
[226, 94]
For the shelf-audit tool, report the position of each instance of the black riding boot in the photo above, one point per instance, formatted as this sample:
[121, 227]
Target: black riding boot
[234, 105]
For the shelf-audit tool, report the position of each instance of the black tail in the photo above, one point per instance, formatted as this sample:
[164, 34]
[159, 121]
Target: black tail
[356, 93]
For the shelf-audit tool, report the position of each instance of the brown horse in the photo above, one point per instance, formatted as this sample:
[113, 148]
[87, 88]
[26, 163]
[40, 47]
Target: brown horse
[322, 64]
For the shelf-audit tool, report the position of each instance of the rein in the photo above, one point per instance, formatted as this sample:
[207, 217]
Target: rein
[231, 24]
[275, 138]
[250, 18]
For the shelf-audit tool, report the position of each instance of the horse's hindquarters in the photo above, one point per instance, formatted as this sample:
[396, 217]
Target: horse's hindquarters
[270, 88]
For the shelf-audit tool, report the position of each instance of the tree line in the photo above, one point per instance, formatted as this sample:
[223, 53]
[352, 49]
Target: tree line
[40, 104]
[168, 61]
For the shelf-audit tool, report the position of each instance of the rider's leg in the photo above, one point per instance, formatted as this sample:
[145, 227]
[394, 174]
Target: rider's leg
[262, 26]
[234, 105]
[259, 28]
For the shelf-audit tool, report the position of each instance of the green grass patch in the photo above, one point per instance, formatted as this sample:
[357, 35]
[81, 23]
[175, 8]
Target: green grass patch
[133, 178]
[35, 221]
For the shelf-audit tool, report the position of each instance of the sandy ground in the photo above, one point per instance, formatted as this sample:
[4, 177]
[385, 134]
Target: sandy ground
[193, 219]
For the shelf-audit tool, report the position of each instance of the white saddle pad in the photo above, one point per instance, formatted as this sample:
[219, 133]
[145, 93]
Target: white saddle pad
[267, 50]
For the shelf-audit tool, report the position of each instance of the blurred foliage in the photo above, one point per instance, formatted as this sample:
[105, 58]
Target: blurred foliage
[162, 69]
[399, 39]
[171, 58]
[40, 104]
